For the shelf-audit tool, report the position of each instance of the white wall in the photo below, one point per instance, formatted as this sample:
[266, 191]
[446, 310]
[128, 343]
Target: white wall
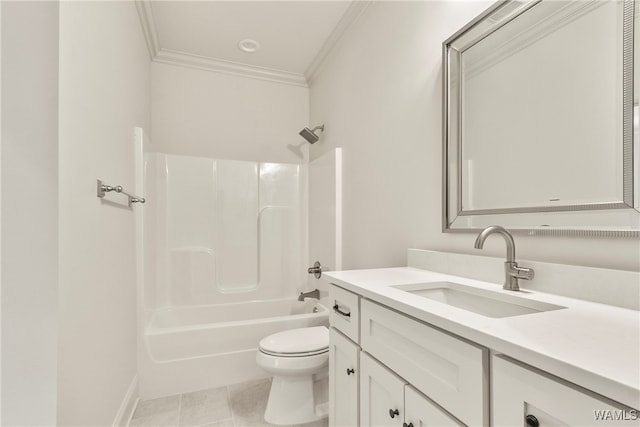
[104, 93]
[30, 212]
[208, 114]
[380, 97]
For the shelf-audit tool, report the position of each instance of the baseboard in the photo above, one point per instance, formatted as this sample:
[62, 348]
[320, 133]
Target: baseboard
[128, 405]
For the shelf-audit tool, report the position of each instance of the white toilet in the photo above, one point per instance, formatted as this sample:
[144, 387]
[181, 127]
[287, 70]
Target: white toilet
[293, 357]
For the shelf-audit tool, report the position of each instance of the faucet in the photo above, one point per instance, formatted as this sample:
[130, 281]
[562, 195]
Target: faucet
[511, 270]
[311, 294]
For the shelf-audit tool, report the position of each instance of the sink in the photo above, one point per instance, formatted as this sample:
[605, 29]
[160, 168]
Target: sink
[480, 301]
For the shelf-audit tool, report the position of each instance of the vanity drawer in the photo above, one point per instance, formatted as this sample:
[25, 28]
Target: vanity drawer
[520, 392]
[345, 312]
[452, 372]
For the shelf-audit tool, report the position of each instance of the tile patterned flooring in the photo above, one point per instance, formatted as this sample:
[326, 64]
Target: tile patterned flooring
[236, 405]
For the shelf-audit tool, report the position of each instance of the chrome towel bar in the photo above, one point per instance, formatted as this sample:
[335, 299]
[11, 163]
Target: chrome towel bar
[103, 189]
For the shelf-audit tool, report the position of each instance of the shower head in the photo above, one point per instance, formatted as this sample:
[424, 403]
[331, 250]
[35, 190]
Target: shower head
[310, 134]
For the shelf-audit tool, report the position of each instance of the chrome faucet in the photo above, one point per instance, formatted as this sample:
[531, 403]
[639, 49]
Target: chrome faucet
[311, 294]
[511, 270]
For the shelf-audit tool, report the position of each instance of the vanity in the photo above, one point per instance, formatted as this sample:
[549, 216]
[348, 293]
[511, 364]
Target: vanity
[539, 106]
[416, 347]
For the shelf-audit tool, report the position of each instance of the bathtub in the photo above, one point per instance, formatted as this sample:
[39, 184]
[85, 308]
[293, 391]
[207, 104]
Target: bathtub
[198, 347]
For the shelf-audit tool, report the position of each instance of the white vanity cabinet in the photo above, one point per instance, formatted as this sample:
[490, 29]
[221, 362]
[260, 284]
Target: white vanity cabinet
[522, 396]
[450, 371]
[381, 362]
[382, 394]
[345, 312]
[344, 358]
[387, 400]
[421, 412]
[440, 360]
[344, 373]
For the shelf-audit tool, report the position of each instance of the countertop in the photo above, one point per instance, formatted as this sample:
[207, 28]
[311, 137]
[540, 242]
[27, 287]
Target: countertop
[593, 345]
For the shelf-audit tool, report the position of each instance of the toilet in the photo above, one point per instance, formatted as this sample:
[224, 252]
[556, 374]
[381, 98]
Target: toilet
[294, 357]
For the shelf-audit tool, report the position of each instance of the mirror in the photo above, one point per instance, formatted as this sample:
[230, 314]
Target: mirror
[539, 130]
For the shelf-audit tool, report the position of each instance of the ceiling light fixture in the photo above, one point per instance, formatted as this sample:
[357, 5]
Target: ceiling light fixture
[248, 45]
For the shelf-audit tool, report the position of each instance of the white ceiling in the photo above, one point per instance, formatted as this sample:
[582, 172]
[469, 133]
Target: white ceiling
[292, 34]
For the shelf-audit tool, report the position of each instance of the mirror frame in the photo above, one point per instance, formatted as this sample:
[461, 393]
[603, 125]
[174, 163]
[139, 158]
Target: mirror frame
[452, 143]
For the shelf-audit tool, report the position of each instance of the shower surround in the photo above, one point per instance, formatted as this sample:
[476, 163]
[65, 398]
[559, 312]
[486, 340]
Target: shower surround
[224, 254]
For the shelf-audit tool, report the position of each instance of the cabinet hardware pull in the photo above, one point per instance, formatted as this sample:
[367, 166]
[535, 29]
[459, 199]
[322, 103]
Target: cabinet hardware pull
[350, 371]
[407, 425]
[336, 308]
[532, 421]
[393, 413]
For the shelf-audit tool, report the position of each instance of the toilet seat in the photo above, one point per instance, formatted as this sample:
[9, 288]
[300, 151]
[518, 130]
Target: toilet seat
[300, 342]
[313, 353]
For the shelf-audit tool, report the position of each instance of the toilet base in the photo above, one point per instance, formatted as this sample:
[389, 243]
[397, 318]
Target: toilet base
[291, 401]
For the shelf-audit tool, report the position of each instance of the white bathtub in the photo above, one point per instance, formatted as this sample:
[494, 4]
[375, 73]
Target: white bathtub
[193, 348]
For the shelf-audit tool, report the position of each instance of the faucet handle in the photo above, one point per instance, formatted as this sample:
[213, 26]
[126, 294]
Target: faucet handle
[513, 273]
[316, 270]
[523, 273]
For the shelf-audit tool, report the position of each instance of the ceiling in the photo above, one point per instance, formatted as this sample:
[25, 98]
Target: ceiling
[293, 36]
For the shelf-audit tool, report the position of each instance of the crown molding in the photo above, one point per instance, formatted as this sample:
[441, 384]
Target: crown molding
[173, 57]
[353, 12]
[168, 56]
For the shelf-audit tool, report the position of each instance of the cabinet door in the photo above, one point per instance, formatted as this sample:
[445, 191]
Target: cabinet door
[421, 412]
[452, 372]
[381, 394]
[520, 393]
[343, 380]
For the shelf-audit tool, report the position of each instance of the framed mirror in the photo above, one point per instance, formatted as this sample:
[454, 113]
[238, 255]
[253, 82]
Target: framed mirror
[541, 120]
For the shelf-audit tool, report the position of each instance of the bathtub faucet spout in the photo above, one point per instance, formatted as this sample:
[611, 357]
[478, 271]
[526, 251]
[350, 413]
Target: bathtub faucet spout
[311, 294]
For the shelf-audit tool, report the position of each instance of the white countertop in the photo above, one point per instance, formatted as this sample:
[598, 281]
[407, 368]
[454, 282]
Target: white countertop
[593, 345]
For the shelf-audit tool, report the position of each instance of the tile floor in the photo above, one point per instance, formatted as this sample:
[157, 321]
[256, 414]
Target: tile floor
[236, 405]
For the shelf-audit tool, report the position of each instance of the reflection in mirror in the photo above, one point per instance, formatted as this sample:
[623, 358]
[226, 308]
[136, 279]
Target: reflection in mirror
[539, 120]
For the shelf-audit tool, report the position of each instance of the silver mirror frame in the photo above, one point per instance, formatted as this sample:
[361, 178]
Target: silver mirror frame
[452, 192]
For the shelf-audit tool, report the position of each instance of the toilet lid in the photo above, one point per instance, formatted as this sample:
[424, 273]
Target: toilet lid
[297, 341]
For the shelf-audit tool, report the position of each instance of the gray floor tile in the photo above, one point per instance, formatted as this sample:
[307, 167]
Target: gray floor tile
[248, 401]
[223, 423]
[239, 405]
[205, 407]
[320, 423]
[162, 412]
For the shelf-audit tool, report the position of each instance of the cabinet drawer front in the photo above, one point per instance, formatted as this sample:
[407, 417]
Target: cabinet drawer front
[343, 381]
[421, 412]
[452, 372]
[519, 392]
[381, 394]
[345, 312]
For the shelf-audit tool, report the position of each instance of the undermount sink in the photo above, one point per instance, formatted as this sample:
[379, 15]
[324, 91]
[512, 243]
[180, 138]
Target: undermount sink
[479, 301]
